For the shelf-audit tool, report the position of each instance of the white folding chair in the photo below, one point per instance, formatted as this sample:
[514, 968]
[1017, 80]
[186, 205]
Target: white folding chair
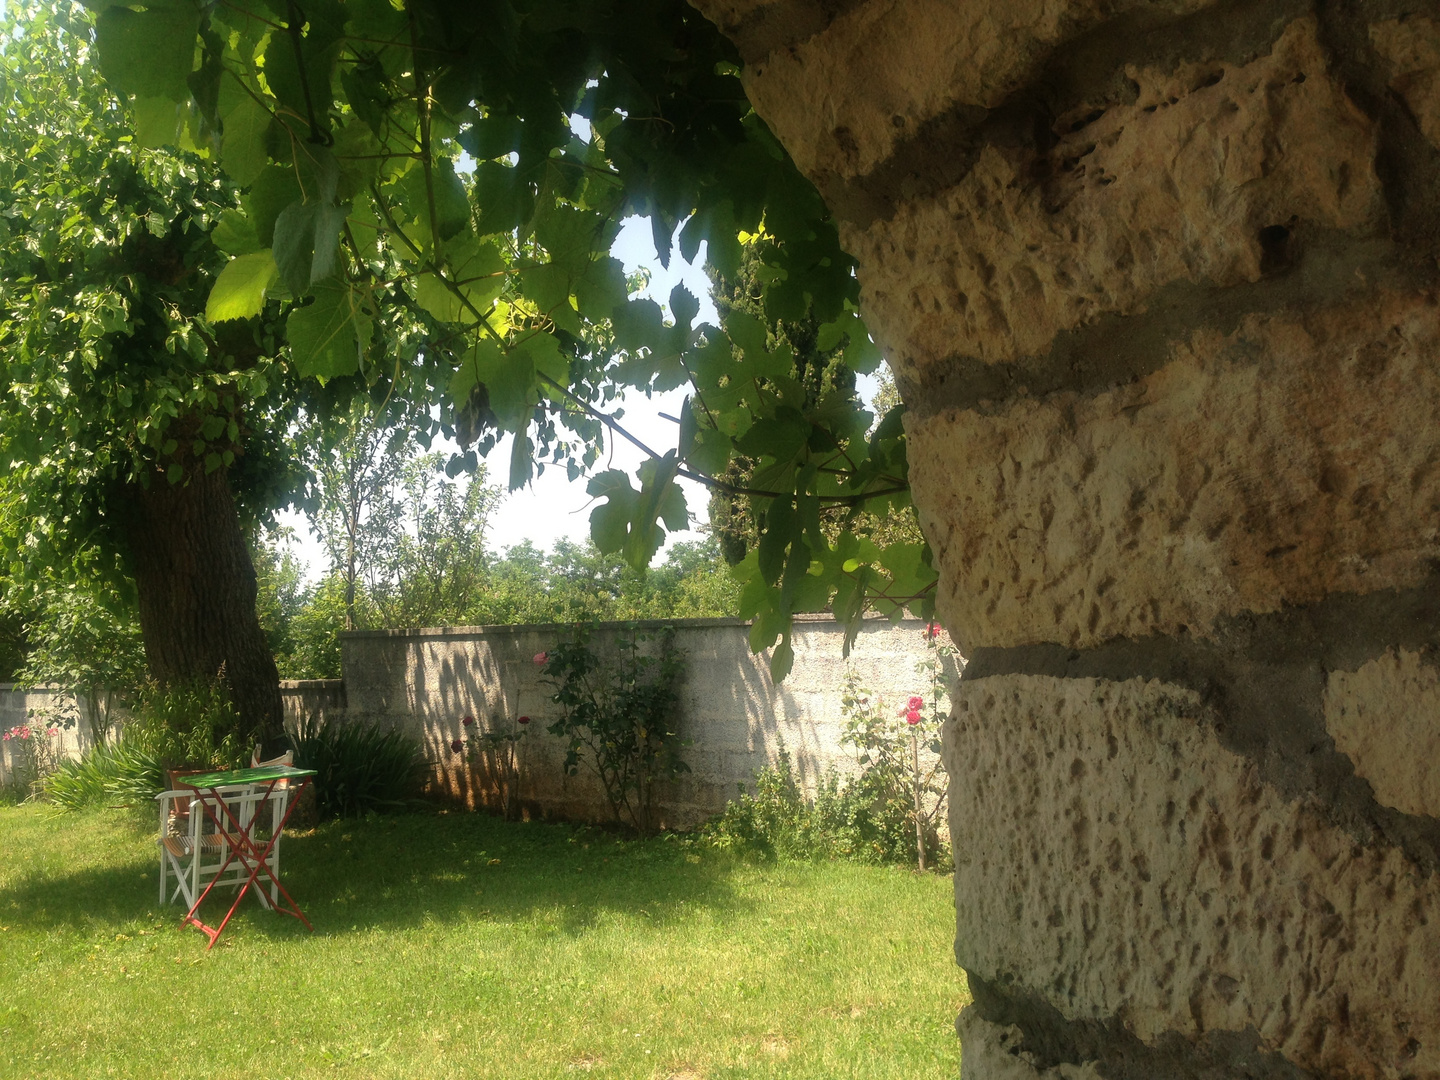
[193, 850]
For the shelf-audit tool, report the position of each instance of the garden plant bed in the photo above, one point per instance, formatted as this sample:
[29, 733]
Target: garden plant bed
[457, 945]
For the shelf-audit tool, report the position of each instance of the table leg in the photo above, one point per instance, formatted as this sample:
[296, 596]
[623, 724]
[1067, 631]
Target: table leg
[251, 856]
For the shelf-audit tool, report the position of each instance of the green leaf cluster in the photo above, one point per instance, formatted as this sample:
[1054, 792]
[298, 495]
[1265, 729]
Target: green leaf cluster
[422, 198]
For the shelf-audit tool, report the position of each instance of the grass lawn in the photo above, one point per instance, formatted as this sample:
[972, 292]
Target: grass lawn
[456, 945]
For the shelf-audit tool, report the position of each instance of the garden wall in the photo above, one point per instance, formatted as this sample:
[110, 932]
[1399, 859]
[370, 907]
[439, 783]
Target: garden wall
[734, 719]
[15, 708]
[309, 697]
[1157, 279]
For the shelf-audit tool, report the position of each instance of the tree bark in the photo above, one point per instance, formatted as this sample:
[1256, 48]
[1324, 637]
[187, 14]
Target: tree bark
[197, 590]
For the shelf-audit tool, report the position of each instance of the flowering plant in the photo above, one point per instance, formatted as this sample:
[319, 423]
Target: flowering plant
[36, 748]
[909, 794]
[497, 752]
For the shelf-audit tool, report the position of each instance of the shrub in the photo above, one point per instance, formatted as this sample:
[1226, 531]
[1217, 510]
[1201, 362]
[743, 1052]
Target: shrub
[888, 813]
[618, 718]
[848, 819]
[106, 772]
[360, 768]
[171, 727]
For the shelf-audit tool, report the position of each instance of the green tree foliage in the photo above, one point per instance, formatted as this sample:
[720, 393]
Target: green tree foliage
[128, 423]
[388, 263]
[571, 583]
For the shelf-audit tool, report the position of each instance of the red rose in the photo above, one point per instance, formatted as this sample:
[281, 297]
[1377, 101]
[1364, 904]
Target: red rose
[524, 719]
[469, 720]
[912, 717]
[916, 701]
[457, 746]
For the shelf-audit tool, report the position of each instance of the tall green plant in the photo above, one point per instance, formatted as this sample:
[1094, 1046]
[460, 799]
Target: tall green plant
[618, 717]
[360, 768]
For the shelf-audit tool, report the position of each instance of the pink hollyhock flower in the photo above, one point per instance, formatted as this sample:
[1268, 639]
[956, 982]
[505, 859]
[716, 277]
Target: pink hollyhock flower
[912, 717]
[916, 701]
[457, 746]
[468, 721]
[541, 657]
[524, 719]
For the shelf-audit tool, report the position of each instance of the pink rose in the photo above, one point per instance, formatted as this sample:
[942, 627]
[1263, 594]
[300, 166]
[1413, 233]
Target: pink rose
[916, 701]
[24, 732]
[541, 657]
[912, 717]
[468, 721]
[524, 719]
[457, 746]
[52, 731]
[932, 630]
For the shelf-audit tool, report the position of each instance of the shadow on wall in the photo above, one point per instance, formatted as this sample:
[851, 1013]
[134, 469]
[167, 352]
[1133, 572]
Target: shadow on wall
[734, 721]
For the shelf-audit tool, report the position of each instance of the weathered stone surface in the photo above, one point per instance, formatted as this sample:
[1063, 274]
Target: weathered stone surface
[1203, 179]
[1272, 466]
[918, 58]
[1386, 718]
[1115, 859]
[991, 1052]
[1411, 49]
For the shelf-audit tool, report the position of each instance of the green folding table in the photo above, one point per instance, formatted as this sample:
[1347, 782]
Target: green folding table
[240, 841]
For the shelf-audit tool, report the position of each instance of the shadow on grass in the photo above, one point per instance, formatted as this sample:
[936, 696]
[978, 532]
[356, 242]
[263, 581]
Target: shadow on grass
[404, 870]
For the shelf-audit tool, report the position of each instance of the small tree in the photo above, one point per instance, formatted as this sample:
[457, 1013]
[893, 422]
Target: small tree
[618, 719]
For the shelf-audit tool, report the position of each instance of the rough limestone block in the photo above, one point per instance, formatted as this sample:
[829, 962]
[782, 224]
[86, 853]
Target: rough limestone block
[1411, 50]
[991, 1052]
[919, 58]
[1181, 186]
[1386, 719]
[1289, 460]
[1116, 860]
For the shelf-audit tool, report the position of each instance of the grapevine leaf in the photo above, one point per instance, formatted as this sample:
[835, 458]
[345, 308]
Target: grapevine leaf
[235, 234]
[148, 53]
[242, 151]
[239, 292]
[328, 336]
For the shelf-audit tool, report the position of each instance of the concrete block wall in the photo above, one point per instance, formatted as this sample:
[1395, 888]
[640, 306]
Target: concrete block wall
[319, 699]
[733, 718]
[16, 705]
[1158, 279]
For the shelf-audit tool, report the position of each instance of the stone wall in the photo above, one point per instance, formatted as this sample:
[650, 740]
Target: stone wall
[733, 719]
[1158, 278]
[317, 699]
[310, 697]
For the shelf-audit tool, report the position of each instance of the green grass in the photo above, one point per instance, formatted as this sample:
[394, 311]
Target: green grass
[455, 945]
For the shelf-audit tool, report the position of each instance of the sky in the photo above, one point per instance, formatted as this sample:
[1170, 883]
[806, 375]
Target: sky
[551, 508]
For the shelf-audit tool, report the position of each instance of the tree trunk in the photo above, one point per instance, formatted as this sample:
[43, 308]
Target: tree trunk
[196, 585]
